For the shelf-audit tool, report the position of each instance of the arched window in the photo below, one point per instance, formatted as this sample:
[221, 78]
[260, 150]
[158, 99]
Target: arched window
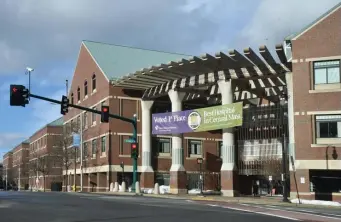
[85, 88]
[78, 94]
[93, 82]
[71, 98]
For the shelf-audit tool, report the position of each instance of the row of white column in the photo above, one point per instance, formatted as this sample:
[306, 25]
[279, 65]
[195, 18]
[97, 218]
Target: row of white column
[176, 98]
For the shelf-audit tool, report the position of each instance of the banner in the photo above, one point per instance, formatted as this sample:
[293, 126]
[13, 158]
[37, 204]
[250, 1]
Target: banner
[76, 140]
[197, 120]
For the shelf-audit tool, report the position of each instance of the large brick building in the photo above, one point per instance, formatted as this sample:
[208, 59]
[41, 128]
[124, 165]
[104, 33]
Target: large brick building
[7, 168]
[316, 55]
[45, 156]
[20, 170]
[103, 143]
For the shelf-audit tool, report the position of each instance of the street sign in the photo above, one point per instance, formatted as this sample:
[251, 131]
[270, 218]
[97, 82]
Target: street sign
[76, 140]
[130, 140]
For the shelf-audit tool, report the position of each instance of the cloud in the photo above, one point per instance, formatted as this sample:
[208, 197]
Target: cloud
[9, 140]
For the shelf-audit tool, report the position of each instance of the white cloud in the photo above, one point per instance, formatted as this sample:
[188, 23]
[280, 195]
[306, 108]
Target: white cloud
[7, 138]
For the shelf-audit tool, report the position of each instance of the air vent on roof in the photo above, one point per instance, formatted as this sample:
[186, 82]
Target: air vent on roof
[287, 50]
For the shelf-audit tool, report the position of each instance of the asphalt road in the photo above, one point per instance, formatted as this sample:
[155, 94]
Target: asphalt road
[66, 207]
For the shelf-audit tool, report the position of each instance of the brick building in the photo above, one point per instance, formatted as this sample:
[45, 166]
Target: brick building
[45, 157]
[104, 143]
[316, 55]
[7, 168]
[20, 168]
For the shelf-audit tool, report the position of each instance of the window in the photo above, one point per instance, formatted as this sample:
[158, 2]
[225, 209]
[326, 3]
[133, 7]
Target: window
[85, 149]
[327, 72]
[194, 147]
[78, 123]
[94, 147]
[93, 82]
[93, 116]
[220, 149]
[85, 88]
[78, 94]
[103, 144]
[328, 126]
[85, 119]
[163, 145]
[72, 102]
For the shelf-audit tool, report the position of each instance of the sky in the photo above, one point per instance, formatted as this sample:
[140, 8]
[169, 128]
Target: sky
[46, 35]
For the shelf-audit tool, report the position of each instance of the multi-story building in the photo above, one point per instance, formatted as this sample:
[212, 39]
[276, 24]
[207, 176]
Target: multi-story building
[315, 53]
[46, 157]
[20, 169]
[104, 143]
[8, 168]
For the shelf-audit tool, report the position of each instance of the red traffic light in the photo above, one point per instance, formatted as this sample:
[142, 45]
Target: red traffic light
[133, 145]
[105, 109]
[14, 89]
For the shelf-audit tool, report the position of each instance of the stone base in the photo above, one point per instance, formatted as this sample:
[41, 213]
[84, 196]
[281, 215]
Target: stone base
[229, 183]
[178, 182]
[229, 193]
[147, 180]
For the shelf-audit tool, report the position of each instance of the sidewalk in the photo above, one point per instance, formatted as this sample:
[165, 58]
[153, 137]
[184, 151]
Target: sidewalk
[274, 201]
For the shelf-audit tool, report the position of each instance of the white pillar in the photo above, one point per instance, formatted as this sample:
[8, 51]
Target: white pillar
[228, 151]
[146, 136]
[291, 128]
[177, 146]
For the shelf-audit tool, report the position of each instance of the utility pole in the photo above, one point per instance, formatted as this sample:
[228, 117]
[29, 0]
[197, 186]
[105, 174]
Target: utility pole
[19, 181]
[284, 166]
[6, 175]
[81, 150]
[67, 87]
[136, 156]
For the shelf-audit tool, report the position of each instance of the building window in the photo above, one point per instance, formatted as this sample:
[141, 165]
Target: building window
[72, 102]
[220, 149]
[85, 88]
[85, 149]
[78, 123]
[93, 82]
[163, 145]
[194, 147]
[328, 126]
[94, 147]
[103, 144]
[327, 72]
[78, 94]
[85, 119]
[93, 116]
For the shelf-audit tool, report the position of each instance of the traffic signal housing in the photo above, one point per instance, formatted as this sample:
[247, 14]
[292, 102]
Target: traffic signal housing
[105, 114]
[64, 106]
[134, 150]
[19, 95]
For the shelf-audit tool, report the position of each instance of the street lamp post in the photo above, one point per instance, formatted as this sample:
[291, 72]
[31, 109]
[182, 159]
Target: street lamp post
[28, 72]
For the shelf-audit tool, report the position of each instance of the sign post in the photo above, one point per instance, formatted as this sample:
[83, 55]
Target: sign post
[200, 162]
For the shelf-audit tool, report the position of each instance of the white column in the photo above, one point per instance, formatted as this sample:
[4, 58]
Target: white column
[291, 128]
[146, 136]
[228, 150]
[177, 146]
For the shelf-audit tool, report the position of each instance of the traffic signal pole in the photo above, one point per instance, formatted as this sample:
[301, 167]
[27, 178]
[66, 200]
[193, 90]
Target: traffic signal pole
[133, 121]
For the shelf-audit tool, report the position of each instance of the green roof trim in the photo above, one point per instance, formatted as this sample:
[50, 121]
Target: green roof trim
[117, 61]
[294, 35]
[57, 122]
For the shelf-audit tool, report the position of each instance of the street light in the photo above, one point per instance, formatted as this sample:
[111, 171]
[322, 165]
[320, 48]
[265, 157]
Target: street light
[28, 72]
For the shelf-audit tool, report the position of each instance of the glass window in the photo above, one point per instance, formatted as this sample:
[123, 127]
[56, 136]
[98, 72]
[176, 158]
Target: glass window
[93, 82]
[94, 146]
[78, 94]
[85, 88]
[328, 126]
[85, 119]
[85, 149]
[194, 147]
[93, 115]
[72, 102]
[219, 151]
[327, 72]
[163, 145]
[103, 144]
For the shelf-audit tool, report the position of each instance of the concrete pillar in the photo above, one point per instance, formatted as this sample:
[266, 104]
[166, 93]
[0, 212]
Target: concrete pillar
[228, 173]
[291, 126]
[178, 177]
[147, 172]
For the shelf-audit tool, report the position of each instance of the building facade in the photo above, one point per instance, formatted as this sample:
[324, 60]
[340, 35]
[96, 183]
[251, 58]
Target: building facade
[7, 167]
[316, 55]
[21, 165]
[46, 155]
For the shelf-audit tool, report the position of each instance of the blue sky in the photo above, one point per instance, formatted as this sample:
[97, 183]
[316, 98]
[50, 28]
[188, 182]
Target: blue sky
[46, 36]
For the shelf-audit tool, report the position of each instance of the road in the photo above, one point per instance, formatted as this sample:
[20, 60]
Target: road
[64, 207]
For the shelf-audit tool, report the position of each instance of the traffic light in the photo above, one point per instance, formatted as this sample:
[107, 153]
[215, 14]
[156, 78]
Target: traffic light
[19, 95]
[64, 107]
[105, 114]
[134, 150]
